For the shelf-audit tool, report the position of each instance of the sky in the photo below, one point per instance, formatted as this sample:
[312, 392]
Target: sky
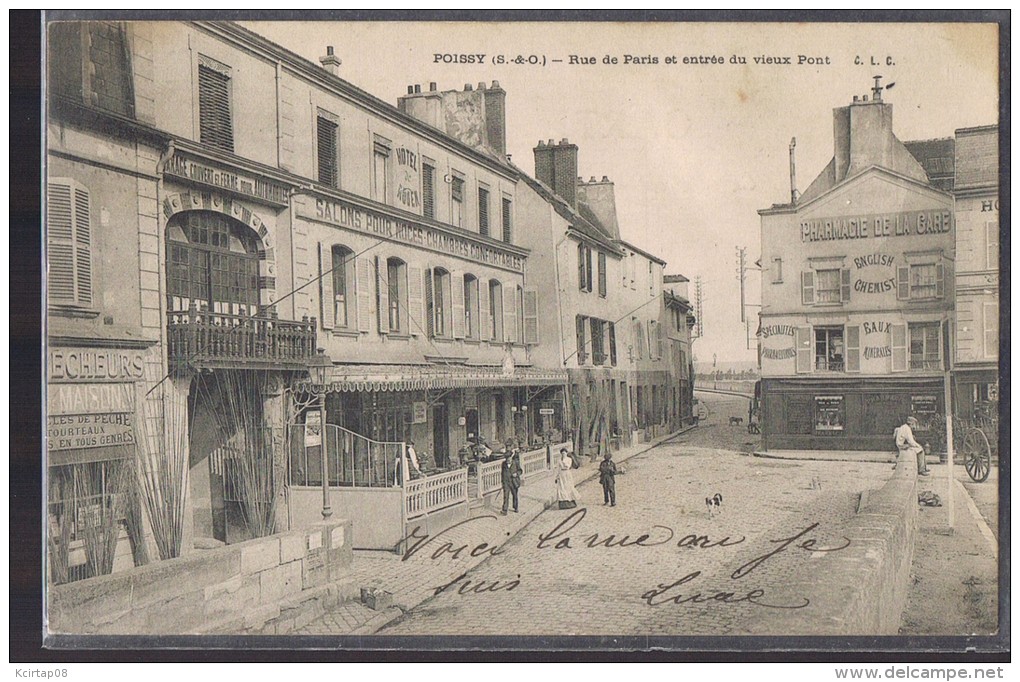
[694, 150]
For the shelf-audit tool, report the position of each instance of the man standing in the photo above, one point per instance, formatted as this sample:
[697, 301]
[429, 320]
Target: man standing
[398, 470]
[510, 476]
[906, 444]
[607, 477]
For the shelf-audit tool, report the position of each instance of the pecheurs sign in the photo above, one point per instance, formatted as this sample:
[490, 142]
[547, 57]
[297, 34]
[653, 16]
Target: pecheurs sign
[347, 215]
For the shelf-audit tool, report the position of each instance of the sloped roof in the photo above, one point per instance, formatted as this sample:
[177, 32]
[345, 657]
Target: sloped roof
[938, 159]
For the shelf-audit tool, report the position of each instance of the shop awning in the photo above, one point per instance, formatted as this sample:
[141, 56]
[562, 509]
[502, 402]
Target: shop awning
[349, 378]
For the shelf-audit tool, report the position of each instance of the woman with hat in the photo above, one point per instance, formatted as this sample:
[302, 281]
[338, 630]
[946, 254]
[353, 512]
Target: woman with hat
[566, 494]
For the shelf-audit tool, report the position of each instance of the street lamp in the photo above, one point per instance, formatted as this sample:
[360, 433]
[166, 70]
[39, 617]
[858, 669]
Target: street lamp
[318, 370]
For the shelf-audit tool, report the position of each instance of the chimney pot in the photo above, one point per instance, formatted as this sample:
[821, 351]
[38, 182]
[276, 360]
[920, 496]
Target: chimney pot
[432, 86]
[865, 98]
[580, 180]
[481, 86]
[592, 179]
[329, 50]
[417, 89]
[564, 141]
[410, 89]
[495, 84]
[467, 87]
[541, 143]
[552, 142]
[856, 98]
[605, 178]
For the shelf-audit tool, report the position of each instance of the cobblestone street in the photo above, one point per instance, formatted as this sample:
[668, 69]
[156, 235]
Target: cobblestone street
[537, 585]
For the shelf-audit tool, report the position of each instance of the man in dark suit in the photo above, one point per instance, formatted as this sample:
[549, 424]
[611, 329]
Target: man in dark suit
[607, 477]
[510, 475]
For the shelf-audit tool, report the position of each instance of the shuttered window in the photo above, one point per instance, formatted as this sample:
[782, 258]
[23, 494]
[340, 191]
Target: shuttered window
[612, 344]
[214, 116]
[507, 221]
[582, 354]
[428, 190]
[992, 244]
[457, 195]
[530, 317]
[990, 315]
[483, 211]
[326, 151]
[602, 274]
[69, 243]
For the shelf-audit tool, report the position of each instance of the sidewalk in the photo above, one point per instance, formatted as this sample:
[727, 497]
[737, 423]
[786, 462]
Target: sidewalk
[414, 579]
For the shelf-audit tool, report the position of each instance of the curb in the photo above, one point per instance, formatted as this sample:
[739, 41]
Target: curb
[764, 454]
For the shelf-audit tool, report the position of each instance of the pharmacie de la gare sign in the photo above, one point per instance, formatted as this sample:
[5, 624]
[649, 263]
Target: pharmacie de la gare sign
[905, 224]
[347, 215]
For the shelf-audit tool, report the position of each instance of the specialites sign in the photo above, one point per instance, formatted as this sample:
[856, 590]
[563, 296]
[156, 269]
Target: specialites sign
[347, 215]
[786, 333]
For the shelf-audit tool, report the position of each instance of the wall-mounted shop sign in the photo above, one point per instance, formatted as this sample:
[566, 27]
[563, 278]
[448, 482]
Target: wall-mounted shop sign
[784, 331]
[94, 364]
[883, 349]
[874, 281]
[347, 215]
[89, 398]
[408, 181]
[200, 171]
[80, 431]
[829, 413]
[905, 224]
[419, 412]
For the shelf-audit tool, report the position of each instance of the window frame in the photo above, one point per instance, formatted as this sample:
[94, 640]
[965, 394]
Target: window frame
[928, 361]
[829, 365]
[472, 320]
[396, 305]
[329, 119]
[343, 273]
[381, 149]
[506, 213]
[428, 189]
[484, 210]
[205, 135]
[495, 321]
[78, 242]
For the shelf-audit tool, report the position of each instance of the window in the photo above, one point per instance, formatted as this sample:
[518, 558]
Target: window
[110, 68]
[326, 149]
[777, 270]
[991, 329]
[508, 232]
[483, 211]
[925, 350]
[380, 171]
[992, 245]
[396, 294]
[440, 302]
[457, 197]
[584, 274]
[919, 281]
[521, 335]
[428, 190]
[215, 120]
[612, 343]
[68, 243]
[639, 340]
[471, 306]
[213, 263]
[343, 284]
[602, 274]
[829, 349]
[598, 355]
[826, 286]
[495, 311]
[582, 345]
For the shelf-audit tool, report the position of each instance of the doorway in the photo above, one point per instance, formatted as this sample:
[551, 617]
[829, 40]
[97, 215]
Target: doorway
[440, 436]
[471, 421]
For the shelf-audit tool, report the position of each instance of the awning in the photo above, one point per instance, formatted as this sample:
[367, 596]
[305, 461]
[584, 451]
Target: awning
[350, 378]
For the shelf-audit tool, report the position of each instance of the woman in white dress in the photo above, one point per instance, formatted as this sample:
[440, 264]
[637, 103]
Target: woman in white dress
[566, 494]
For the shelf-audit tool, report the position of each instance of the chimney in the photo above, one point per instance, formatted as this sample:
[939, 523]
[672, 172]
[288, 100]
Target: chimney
[494, 98]
[556, 167]
[599, 196]
[330, 61]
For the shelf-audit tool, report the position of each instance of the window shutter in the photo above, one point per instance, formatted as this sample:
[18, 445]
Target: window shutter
[898, 335]
[214, 119]
[483, 212]
[428, 190]
[459, 304]
[430, 305]
[530, 317]
[382, 287]
[807, 287]
[612, 344]
[83, 245]
[580, 267]
[509, 314]
[803, 339]
[582, 353]
[415, 301]
[457, 189]
[507, 221]
[651, 340]
[844, 285]
[853, 348]
[484, 325]
[990, 312]
[326, 151]
[365, 275]
[60, 242]
[327, 304]
[903, 283]
[587, 269]
[992, 245]
[602, 274]
[940, 280]
[660, 330]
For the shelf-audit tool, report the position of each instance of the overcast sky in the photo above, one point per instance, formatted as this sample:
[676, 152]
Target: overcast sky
[694, 150]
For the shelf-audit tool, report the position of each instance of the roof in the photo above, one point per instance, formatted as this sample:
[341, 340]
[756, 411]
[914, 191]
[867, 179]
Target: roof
[577, 221]
[348, 378]
[672, 279]
[938, 159]
[641, 251]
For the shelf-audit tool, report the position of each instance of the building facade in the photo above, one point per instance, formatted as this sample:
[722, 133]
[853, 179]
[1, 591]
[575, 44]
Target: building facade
[856, 293]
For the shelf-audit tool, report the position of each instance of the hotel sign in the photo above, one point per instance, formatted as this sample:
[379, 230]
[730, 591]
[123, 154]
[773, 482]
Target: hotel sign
[253, 186]
[347, 215]
[905, 224]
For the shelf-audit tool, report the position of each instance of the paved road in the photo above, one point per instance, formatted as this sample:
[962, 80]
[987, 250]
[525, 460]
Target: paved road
[595, 586]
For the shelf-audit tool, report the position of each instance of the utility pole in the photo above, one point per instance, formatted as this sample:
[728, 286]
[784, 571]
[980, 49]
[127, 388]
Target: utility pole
[741, 276]
[699, 311]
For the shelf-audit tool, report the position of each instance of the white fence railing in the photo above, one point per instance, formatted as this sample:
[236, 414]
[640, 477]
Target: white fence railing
[533, 462]
[489, 479]
[432, 493]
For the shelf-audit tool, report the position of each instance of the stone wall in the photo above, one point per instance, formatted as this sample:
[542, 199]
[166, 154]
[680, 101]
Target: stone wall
[861, 590]
[268, 586]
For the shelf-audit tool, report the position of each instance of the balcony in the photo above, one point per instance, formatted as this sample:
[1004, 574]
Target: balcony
[202, 339]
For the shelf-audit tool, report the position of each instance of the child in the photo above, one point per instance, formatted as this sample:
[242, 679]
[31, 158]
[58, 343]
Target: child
[607, 477]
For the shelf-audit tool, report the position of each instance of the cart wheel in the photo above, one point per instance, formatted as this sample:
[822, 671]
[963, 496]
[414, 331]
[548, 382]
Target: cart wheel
[977, 455]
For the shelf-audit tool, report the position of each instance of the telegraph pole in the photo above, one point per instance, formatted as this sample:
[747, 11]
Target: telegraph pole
[741, 276]
[698, 308]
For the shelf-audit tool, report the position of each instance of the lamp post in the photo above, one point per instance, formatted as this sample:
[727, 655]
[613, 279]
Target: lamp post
[318, 370]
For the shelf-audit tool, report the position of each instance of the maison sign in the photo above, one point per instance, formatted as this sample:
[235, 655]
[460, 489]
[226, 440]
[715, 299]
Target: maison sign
[347, 215]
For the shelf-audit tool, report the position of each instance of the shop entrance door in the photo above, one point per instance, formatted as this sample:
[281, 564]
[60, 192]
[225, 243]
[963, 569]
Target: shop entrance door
[440, 436]
[472, 425]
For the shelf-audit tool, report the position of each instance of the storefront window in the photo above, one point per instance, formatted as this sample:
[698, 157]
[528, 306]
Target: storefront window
[829, 349]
